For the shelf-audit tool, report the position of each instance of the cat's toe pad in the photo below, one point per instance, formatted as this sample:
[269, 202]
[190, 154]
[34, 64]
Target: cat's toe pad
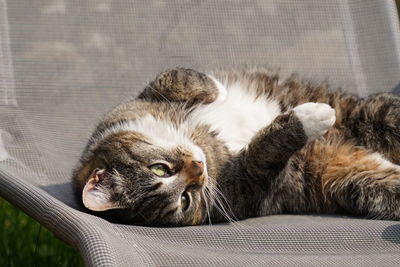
[316, 118]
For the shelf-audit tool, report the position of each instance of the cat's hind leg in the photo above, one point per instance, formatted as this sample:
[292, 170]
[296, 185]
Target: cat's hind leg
[358, 181]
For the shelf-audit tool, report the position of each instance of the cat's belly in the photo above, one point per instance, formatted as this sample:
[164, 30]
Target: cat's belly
[238, 116]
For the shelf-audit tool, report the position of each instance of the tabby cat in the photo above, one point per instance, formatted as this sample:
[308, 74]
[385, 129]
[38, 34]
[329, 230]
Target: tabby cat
[197, 148]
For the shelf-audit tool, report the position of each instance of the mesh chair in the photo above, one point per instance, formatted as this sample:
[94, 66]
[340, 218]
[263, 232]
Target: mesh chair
[65, 63]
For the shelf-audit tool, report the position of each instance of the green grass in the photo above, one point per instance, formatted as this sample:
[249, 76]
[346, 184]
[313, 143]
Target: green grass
[24, 242]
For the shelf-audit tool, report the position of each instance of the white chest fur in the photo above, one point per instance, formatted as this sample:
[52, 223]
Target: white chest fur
[237, 115]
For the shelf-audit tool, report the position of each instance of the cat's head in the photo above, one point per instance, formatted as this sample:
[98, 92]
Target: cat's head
[153, 179]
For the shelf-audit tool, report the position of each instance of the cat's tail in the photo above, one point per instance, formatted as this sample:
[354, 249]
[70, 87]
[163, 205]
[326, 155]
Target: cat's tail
[374, 123]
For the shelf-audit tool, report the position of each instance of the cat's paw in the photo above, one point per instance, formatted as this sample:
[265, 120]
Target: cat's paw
[184, 85]
[316, 118]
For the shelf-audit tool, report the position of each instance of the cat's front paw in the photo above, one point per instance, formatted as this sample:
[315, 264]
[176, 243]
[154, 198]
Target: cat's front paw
[316, 118]
[184, 85]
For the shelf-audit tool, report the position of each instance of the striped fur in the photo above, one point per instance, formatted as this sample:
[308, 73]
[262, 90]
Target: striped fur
[265, 148]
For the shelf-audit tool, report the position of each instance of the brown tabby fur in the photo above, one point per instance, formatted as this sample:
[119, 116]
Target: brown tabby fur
[278, 172]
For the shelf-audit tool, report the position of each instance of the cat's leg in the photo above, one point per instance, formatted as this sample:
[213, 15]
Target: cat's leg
[270, 149]
[355, 180]
[184, 85]
[259, 169]
[375, 123]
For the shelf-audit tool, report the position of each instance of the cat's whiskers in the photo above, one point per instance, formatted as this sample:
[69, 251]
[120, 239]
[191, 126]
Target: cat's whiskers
[205, 198]
[219, 201]
[216, 201]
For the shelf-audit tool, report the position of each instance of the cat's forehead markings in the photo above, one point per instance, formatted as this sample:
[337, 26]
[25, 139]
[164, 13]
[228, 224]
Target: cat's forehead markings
[124, 136]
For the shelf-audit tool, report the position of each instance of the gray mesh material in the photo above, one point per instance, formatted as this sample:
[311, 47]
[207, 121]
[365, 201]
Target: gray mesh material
[65, 63]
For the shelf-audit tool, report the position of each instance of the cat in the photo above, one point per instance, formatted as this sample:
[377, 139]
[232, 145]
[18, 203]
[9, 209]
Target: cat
[195, 148]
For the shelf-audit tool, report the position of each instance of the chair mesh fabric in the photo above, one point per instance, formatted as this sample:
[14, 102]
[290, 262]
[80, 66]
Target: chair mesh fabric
[63, 64]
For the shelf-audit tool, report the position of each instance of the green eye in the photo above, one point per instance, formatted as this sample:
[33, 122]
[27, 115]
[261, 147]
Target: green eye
[160, 170]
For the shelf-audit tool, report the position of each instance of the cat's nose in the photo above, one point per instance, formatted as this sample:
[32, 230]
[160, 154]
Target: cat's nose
[197, 167]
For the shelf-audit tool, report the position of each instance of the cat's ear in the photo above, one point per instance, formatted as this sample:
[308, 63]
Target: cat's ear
[96, 194]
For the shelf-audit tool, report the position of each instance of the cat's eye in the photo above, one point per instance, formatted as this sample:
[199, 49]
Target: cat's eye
[161, 170]
[185, 201]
